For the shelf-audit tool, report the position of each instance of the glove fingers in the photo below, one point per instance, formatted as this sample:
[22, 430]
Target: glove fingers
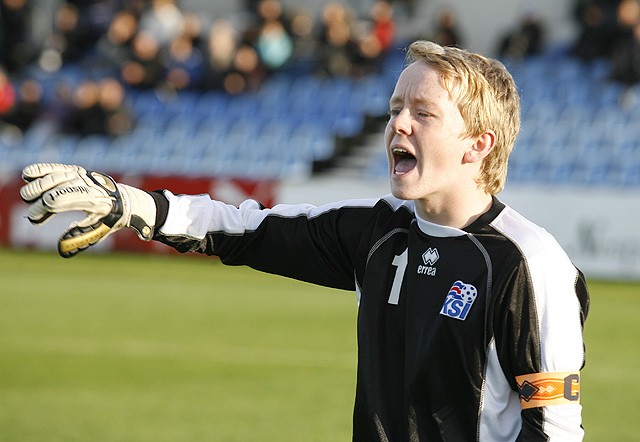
[81, 235]
[76, 195]
[38, 213]
[38, 170]
[91, 220]
[35, 188]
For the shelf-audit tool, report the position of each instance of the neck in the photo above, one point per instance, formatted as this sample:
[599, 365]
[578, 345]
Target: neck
[457, 212]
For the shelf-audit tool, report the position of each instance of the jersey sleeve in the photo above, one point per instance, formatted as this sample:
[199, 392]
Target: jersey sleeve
[305, 242]
[539, 338]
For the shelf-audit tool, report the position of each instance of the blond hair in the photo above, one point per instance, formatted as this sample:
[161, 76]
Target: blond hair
[486, 96]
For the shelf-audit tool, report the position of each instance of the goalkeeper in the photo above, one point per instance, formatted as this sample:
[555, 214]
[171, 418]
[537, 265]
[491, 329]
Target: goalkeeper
[470, 317]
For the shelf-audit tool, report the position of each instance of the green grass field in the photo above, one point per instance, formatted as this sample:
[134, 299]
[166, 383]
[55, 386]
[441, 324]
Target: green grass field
[178, 348]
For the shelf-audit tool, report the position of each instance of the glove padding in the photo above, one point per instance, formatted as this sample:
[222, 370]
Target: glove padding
[55, 188]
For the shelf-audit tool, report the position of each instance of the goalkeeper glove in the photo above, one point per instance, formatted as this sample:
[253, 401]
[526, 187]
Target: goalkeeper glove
[55, 188]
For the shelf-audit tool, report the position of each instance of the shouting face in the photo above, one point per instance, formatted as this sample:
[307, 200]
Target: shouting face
[425, 138]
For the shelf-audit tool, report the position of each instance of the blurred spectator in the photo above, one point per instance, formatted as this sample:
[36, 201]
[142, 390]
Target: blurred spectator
[192, 28]
[626, 60]
[446, 31]
[117, 118]
[28, 106]
[266, 31]
[94, 17]
[372, 38]
[134, 7]
[16, 49]
[335, 51]
[248, 72]
[183, 63]
[527, 38]
[86, 116]
[66, 39]
[98, 109]
[625, 55]
[58, 109]
[269, 11]
[144, 69]
[114, 47]
[7, 93]
[222, 45]
[598, 28]
[366, 49]
[304, 38]
[627, 17]
[274, 45]
[384, 26]
[163, 21]
[9, 134]
[78, 26]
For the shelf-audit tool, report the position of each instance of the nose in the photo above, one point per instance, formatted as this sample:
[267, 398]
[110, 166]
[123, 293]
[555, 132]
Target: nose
[401, 123]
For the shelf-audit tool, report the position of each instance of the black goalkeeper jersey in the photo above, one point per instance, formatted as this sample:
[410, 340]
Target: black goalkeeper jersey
[463, 335]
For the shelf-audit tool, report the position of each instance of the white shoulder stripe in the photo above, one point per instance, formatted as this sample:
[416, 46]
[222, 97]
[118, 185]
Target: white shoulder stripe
[553, 277]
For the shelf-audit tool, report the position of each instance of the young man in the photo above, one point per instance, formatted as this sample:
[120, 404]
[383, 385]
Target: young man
[470, 317]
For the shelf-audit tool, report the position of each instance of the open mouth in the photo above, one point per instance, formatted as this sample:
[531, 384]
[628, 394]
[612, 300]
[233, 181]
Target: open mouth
[403, 161]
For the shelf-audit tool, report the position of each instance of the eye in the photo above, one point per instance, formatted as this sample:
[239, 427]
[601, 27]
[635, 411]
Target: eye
[394, 112]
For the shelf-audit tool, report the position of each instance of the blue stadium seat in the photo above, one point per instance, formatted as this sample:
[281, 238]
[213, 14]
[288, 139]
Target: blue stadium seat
[321, 142]
[599, 69]
[372, 94]
[348, 123]
[211, 104]
[245, 106]
[147, 102]
[378, 167]
[562, 172]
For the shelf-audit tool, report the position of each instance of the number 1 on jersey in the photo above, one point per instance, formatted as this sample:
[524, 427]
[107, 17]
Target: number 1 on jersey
[400, 262]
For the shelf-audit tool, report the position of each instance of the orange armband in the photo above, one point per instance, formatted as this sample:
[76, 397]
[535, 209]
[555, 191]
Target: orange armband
[544, 389]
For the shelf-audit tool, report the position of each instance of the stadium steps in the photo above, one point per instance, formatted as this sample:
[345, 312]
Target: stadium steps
[360, 158]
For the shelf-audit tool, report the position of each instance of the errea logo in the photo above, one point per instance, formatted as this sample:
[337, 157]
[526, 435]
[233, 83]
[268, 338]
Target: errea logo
[429, 258]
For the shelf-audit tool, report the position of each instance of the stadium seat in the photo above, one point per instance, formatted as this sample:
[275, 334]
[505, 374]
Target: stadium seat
[372, 94]
[212, 104]
[147, 102]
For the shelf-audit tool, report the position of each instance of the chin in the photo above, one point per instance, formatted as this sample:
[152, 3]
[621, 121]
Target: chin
[400, 192]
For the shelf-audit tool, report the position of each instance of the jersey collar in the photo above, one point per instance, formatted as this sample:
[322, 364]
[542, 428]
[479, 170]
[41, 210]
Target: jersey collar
[437, 230]
[440, 231]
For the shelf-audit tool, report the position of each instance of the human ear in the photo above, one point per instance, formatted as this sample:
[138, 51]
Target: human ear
[482, 146]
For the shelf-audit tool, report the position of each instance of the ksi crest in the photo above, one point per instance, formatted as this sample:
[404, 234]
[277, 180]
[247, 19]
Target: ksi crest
[459, 300]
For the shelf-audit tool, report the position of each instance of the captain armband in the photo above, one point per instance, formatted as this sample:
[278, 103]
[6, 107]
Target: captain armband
[544, 389]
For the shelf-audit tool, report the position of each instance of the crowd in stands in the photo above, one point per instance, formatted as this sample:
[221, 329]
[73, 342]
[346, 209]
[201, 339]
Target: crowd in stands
[610, 29]
[124, 46]
[129, 45]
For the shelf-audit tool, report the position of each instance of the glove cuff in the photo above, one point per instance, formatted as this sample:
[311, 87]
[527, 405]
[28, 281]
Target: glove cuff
[140, 211]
